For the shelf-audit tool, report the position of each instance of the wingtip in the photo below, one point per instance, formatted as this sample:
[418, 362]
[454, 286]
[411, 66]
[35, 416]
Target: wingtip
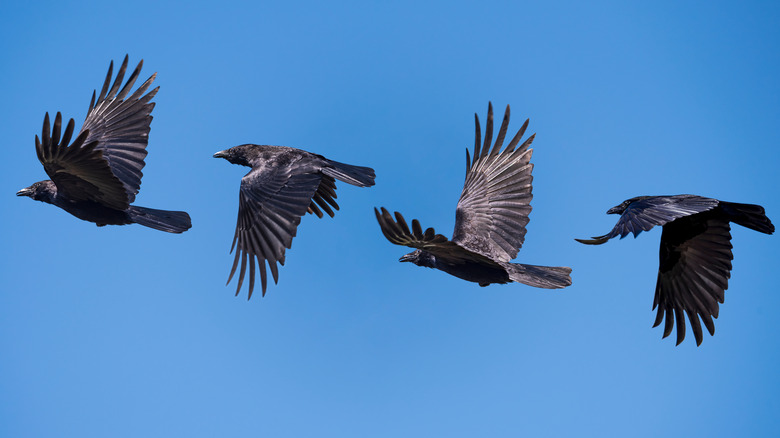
[593, 241]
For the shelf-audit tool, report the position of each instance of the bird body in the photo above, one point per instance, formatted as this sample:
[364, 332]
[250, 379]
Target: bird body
[478, 269]
[87, 210]
[97, 176]
[490, 218]
[484, 271]
[695, 253]
[284, 184]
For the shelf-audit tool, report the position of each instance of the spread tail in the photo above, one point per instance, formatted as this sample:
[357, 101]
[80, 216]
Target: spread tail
[163, 220]
[355, 175]
[748, 215]
[547, 277]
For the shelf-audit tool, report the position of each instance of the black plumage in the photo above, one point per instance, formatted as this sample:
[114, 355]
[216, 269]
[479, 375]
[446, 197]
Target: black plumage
[695, 255]
[490, 218]
[97, 176]
[284, 184]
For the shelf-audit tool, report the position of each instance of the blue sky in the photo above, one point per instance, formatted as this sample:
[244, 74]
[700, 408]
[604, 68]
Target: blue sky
[127, 331]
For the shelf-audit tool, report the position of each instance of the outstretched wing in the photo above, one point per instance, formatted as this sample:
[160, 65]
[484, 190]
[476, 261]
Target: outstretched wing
[271, 203]
[644, 212]
[496, 200]
[79, 170]
[693, 274]
[120, 125]
[397, 231]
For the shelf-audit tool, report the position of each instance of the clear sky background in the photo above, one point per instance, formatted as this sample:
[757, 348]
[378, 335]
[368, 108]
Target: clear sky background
[128, 331]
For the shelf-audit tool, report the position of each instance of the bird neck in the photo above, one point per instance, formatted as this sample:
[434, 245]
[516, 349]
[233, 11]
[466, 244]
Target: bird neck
[426, 260]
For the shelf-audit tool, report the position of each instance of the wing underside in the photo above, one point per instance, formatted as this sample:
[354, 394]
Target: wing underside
[695, 266]
[493, 209]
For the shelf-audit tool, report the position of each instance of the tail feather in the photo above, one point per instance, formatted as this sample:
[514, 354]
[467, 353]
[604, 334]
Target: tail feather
[163, 220]
[356, 175]
[748, 215]
[547, 277]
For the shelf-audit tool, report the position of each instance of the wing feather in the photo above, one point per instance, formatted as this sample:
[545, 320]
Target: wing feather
[271, 204]
[644, 212]
[120, 125]
[78, 170]
[325, 198]
[397, 231]
[494, 205]
[695, 265]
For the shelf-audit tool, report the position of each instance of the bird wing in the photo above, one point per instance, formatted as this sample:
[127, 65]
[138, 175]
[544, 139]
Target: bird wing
[649, 211]
[493, 209]
[271, 203]
[695, 265]
[324, 198]
[397, 231]
[79, 170]
[121, 126]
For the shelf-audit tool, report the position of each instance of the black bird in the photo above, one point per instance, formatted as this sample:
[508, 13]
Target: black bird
[284, 184]
[695, 259]
[490, 219]
[96, 177]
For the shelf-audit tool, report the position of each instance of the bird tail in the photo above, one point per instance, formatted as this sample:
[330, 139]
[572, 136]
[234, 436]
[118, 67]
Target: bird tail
[748, 215]
[547, 277]
[355, 175]
[163, 220]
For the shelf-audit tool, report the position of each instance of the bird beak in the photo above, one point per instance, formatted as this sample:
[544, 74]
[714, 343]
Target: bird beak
[406, 258]
[613, 210]
[25, 192]
[221, 154]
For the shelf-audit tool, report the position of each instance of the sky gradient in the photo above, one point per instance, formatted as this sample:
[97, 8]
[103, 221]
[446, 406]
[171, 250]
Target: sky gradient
[127, 331]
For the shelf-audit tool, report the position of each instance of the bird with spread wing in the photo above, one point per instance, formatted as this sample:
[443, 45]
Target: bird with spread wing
[490, 218]
[695, 256]
[97, 176]
[283, 185]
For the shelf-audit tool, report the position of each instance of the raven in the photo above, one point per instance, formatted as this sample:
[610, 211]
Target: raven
[490, 219]
[284, 184]
[695, 256]
[96, 177]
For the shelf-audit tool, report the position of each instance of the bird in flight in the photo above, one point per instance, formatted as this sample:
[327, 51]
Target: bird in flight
[284, 184]
[490, 218]
[695, 259]
[97, 176]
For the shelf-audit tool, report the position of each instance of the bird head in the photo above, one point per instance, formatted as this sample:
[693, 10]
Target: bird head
[40, 191]
[419, 258]
[236, 155]
[619, 209]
